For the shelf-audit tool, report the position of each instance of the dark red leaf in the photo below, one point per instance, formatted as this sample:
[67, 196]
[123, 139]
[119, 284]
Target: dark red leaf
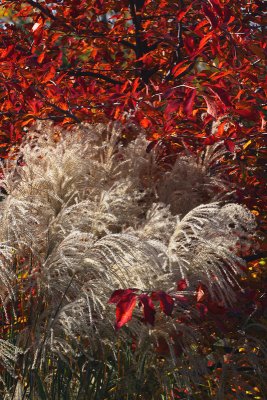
[189, 102]
[216, 5]
[119, 295]
[216, 308]
[166, 302]
[172, 106]
[148, 308]
[227, 14]
[181, 299]
[203, 309]
[210, 16]
[230, 145]
[222, 95]
[182, 285]
[211, 106]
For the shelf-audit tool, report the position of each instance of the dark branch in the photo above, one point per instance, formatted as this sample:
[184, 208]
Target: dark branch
[141, 47]
[257, 256]
[43, 10]
[95, 75]
[128, 44]
[66, 113]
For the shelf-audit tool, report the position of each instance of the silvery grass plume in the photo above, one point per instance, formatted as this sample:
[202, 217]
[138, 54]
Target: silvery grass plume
[86, 213]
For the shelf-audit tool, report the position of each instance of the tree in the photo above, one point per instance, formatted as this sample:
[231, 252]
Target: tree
[187, 73]
[172, 67]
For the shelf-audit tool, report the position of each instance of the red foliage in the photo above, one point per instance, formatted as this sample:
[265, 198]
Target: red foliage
[165, 300]
[167, 66]
[173, 68]
[126, 300]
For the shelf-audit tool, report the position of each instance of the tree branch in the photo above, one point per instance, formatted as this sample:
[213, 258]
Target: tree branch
[43, 10]
[255, 257]
[94, 75]
[66, 113]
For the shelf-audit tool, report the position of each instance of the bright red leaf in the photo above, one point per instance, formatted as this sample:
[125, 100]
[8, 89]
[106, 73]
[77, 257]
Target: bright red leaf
[124, 309]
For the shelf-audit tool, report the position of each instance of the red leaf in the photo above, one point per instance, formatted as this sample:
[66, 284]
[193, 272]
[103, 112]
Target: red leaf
[220, 129]
[217, 7]
[119, 295]
[203, 42]
[7, 52]
[222, 95]
[135, 85]
[179, 69]
[182, 285]
[145, 123]
[211, 106]
[147, 60]
[148, 309]
[182, 13]
[210, 16]
[49, 75]
[124, 310]
[202, 308]
[166, 303]
[248, 113]
[172, 106]
[41, 57]
[189, 102]
[230, 145]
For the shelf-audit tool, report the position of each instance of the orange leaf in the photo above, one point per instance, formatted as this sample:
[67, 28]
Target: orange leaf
[182, 13]
[135, 85]
[117, 113]
[178, 69]
[27, 121]
[41, 57]
[145, 123]
[124, 310]
[49, 75]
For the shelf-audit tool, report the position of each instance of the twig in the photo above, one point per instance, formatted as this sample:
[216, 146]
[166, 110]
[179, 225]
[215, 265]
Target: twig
[94, 75]
[57, 108]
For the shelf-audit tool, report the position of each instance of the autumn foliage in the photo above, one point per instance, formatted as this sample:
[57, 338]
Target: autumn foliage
[172, 67]
[187, 74]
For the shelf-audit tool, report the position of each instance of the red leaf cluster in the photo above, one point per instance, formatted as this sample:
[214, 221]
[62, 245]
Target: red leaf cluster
[126, 299]
[173, 63]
